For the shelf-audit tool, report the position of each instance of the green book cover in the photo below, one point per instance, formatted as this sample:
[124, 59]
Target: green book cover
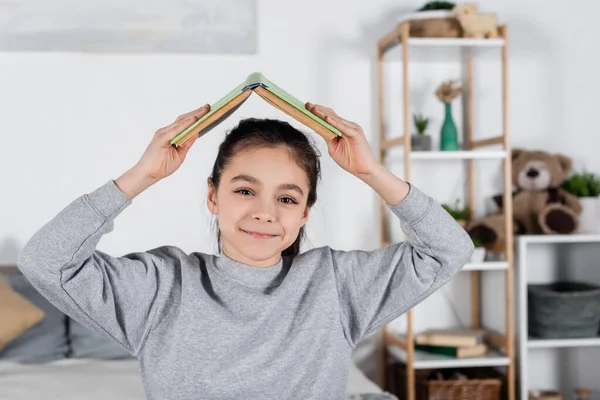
[252, 81]
[442, 350]
[453, 351]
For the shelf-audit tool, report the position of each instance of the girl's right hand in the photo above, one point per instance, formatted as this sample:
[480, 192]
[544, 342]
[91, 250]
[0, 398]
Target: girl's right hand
[161, 158]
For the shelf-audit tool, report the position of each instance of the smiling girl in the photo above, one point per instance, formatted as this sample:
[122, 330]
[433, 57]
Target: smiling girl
[259, 320]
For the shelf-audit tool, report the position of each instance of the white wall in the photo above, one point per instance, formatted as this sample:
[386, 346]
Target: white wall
[70, 122]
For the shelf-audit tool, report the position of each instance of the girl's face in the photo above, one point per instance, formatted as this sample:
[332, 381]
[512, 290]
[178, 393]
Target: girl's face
[261, 205]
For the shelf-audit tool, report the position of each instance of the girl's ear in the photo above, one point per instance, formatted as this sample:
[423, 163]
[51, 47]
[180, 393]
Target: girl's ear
[211, 199]
[305, 215]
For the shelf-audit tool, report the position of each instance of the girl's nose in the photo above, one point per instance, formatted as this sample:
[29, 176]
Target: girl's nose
[263, 216]
[263, 212]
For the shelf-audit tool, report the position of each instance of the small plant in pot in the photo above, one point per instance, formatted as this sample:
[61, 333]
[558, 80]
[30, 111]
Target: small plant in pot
[586, 186]
[479, 252]
[460, 214]
[420, 141]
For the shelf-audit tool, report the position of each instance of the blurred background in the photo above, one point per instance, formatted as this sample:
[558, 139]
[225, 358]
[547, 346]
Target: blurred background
[84, 86]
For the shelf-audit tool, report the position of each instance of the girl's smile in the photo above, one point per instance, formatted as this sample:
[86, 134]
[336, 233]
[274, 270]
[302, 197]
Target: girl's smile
[259, 235]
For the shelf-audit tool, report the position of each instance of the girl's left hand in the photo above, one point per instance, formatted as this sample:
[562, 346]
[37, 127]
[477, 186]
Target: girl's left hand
[351, 151]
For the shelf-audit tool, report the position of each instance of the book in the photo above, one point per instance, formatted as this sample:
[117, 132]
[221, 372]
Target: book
[454, 351]
[451, 337]
[256, 82]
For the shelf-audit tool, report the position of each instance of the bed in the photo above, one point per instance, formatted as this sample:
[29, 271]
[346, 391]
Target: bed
[90, 379]
[60, 359]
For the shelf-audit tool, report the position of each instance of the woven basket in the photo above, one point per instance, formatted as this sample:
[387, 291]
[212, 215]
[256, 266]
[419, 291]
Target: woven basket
[435, 27]
[470, 389]
[482, 384]
[564, 310]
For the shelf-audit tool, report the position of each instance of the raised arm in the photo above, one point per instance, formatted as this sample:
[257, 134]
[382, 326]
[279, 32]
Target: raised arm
[117, 296]
[375, 287]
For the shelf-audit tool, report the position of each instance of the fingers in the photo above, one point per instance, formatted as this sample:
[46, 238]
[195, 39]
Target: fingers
[339, 122]
[320, 111]
[348, 127]
[183, 121]
[199, 112]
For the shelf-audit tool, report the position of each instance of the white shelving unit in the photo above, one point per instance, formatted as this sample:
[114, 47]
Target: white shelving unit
[528, 345]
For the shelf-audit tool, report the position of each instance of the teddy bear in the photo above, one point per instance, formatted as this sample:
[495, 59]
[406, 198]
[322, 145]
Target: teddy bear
[474, 24]
[540, 205]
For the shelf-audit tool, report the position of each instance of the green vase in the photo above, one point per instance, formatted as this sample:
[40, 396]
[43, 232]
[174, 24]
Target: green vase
[449, 134]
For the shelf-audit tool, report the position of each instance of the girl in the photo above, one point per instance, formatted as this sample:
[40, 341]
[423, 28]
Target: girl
[260, 320]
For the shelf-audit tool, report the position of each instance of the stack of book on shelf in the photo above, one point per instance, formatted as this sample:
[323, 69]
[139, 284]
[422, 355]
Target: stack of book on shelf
[458, 343]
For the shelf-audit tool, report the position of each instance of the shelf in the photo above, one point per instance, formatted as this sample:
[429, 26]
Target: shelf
[486, 266]
[555, 343]
[393, 38]
[442, 49]
[455, 42]
[571, 238]
[458, 155]
[423, 360]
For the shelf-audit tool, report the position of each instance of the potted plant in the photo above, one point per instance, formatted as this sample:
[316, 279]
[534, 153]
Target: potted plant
[460, 214]
[586, 186]
[479, 252]
[420, 141]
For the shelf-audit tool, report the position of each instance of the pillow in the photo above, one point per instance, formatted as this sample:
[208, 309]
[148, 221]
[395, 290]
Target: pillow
[16, 313]
[87, 343]
[44, 342]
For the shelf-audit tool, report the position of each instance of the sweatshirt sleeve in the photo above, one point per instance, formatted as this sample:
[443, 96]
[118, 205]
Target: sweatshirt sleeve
[115, 296]
[376, 287]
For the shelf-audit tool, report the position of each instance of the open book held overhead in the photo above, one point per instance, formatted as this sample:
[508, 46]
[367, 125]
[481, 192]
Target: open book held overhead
[256, 82]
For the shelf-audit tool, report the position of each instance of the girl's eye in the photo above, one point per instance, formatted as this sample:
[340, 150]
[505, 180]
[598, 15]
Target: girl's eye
[288, 200]
[244, 192]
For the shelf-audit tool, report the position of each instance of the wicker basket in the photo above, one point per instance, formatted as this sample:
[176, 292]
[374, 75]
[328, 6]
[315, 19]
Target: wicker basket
[564, 310]
[432, 23]
[482, 384]
[470, 389]
[435, 27]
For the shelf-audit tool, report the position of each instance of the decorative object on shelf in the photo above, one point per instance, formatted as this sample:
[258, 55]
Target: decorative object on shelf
[420, 141]
[447, 92]
[451, 337]
[438, 5]
[537, 176]
[478, 255]
[460, 214]
[586, 186]
[564, 310]
[454, 351]
[449, 383]
[582, 393]
[434, 20]
[475, 24]
[545, 395]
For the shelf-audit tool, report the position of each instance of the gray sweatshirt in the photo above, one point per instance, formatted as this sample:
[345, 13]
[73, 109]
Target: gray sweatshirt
[207, 327]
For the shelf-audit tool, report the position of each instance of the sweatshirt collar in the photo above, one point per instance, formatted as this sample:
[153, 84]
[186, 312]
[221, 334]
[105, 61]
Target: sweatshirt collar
[257, 277]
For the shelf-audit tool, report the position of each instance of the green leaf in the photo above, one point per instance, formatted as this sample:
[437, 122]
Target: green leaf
[584, 184]
[437, 5]
[458, 213]
[421, 123]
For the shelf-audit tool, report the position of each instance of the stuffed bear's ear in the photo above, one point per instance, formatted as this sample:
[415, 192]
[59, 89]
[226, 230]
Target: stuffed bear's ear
[564, 162]
[516, 153]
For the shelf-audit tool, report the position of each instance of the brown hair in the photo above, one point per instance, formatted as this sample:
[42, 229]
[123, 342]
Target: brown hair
[252, 133]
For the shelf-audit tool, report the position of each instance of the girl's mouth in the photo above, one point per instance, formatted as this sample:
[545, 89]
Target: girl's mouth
[258, 235]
